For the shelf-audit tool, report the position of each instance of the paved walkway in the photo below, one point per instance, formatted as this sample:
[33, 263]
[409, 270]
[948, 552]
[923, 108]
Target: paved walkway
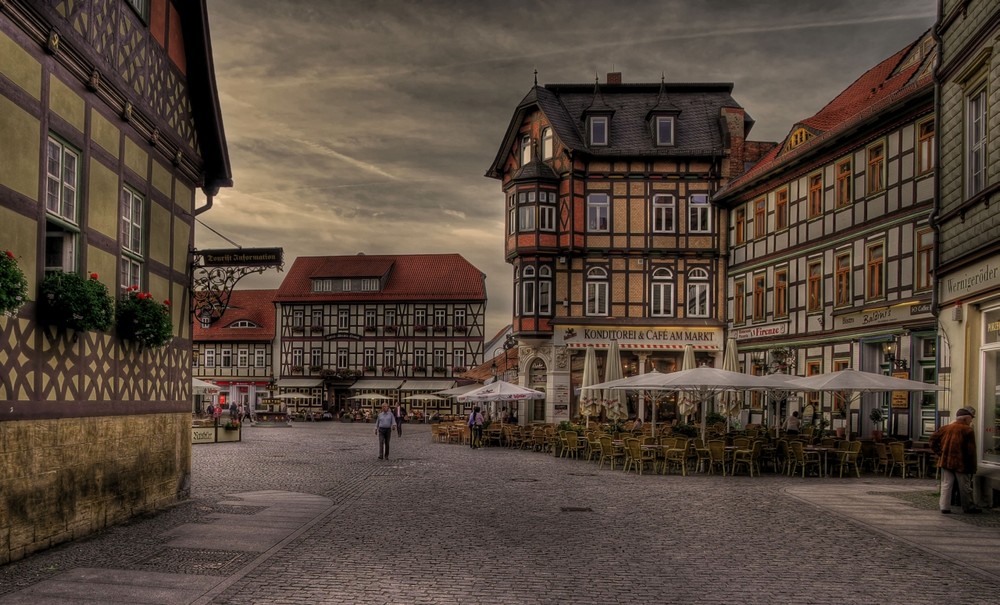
[307, 514]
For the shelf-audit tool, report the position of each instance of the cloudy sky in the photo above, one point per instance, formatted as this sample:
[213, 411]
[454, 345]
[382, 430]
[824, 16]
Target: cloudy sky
[367, 125]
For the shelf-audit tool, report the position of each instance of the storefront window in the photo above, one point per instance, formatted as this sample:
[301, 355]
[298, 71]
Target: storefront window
[991, 386]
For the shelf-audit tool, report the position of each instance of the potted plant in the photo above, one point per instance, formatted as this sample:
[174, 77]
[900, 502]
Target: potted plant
[440, 370]
[296, 369]
[419, 328]
[13, 284]
[142, 320]
[388, 370]
[389, 329]
[419, 369]
[459, 369]
[440, 329]
[67, 300]
[315, 369]
[232, 425]
[877, 416]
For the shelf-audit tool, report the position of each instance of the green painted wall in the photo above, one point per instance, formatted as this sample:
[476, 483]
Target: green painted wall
[103, 197]
[20, 133]
[20, 67]
[66, 103]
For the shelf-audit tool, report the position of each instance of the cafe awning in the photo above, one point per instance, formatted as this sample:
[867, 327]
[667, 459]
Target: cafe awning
[427, 385]
[299, 383]
[376, 384]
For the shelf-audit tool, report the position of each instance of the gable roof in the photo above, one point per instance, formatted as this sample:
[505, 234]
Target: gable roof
[699, 130]
[411, 277]
[244, 305]
[905, 74]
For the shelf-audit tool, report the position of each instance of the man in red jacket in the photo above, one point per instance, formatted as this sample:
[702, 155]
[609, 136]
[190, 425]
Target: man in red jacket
[955, 447]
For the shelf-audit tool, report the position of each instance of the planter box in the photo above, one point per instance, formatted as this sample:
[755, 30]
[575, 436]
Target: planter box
[215, 434]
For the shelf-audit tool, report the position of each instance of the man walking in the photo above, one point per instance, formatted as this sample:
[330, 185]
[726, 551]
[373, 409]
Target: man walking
[400, 413]
[955, 447]
[383, 428]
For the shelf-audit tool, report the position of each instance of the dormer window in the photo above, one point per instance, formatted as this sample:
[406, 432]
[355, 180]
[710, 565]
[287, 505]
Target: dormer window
[525, 150]
[597, 126]
[664, 131]
[799, 136]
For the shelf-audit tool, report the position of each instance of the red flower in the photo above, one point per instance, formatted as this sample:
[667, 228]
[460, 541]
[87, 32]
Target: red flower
[93, 276]
[10, 254]
[167, 302]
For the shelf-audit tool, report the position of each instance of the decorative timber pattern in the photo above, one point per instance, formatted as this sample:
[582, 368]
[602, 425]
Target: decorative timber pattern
[133, 52]
[17, 374]
[102, 34]
[60, 364]
[130, 372]
[99, 368]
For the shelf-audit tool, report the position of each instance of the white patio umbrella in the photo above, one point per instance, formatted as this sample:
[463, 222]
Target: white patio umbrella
[613, 400]
[501, 390]
[857, 382]
[590, 400]
[684, 404]
[730, 362]
[202, 384]
[293, 396]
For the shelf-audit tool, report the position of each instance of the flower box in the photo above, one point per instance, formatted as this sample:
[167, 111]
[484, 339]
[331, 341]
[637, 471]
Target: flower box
[369, 368]
[296, 369]
[369, 329]
[419, 369]
[298, 330]
[461, 329]
[459, 370]
[440, 370]
[142, 320]
[316, 330]
[390, 329]
[315, 369]
[67, 300]
[440, 328]
[388, 370]
[420, 328]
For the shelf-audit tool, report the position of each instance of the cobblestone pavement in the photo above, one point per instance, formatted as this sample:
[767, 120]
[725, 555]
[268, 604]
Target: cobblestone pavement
[439, 523]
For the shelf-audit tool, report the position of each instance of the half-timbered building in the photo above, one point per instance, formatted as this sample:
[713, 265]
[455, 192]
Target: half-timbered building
[110, 123]
[235, 353]
[967, 220]
[830, 246]
[609, 226]
[391, 325]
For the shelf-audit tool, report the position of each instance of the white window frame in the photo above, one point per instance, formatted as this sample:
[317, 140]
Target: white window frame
[545, 291]
[599, 131]
[260, 358]
[664, 213]
[345, 285]
[62, 206]
[369, 357]
[699, 303]
[661, 298]
[242, 358]
[440, 358]
[528, 291]
[548, 144]
[316, 357]
[420, 358]
[370, 318]
[343, 319]
[525, 149]
[598, 212]
[298, 318]
[369, 285]
[209, 358]
[420, 317]
[343, 358]
[459, 318]
[699, 213]
[440, 317]
[297, 357]
[389, 358]
[526, 217]
[976, 137]
[659, 123]
[226, 358]
[597, 293]
[458, 358]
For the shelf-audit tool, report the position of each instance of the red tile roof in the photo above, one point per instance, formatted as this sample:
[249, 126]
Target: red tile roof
[411, 277]
[249, 305]
[878, 88]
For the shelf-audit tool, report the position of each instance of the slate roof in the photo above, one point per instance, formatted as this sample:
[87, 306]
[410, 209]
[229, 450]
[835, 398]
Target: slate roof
[250, 305]
[893, 80]
[699, 129]
[411, 277]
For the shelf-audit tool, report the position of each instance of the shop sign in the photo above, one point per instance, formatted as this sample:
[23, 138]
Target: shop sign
[881, 316]
[242, 257]
[991, 321]
[642, 338]
[974, 279]
[765, 331]
[901, 399]
[203, 434]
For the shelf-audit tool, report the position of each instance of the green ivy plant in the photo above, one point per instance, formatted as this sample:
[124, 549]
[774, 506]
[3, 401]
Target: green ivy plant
[143, 320]
[13, 284]
[68, 300]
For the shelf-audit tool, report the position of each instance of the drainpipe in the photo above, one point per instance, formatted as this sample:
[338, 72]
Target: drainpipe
[936, 208]
[210, 192]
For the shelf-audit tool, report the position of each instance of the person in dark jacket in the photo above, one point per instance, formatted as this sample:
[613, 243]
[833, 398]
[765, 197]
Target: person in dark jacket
[955, 447]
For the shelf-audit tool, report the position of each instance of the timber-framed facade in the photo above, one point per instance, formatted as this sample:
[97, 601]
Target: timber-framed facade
[111, 123]
[831, 246]
[609, 226]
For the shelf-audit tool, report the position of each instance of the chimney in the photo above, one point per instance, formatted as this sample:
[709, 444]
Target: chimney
[615, 77]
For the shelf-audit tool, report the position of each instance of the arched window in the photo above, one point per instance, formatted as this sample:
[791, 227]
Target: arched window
[528, 291]
[597, 292]
[698, 289]
[662, 295]
[525, 150]
[545, 291]
[547, 145]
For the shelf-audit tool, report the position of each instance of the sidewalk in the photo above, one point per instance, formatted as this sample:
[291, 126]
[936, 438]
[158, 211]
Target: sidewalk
[329, 523]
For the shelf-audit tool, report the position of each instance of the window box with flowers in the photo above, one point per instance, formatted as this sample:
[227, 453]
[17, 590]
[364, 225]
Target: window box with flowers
[440, 370]
[370, 368]
[316, 330]
[315, 369]
[296, 369]
[461, 329]
[142, 320]
[369, 329]
[388, 370]
[440, 329]
[390, 329]
[420, 328]
[13, 284]
[459, 369]
[69, 301]
[419, 369]
[298, 330]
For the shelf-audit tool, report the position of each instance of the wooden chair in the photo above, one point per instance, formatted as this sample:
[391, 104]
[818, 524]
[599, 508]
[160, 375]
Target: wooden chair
[804, 460]
[881, 462]
[901, 460]
[609, 453]
[749, 458]
[676, 456]
[636, 457]
[701, 453]
[742, 443]
[718, 457]
[849, 457]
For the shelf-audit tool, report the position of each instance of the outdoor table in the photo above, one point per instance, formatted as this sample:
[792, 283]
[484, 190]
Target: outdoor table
[924, 453]
[823, 451]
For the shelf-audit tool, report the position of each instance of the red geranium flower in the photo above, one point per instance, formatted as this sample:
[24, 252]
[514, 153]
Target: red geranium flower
[10, 254]
[93, 276]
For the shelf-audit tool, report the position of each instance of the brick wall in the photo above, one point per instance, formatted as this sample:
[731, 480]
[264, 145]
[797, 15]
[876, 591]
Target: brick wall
[63, 479]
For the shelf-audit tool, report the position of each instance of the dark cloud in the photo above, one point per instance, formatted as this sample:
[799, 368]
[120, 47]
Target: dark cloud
[367, 125]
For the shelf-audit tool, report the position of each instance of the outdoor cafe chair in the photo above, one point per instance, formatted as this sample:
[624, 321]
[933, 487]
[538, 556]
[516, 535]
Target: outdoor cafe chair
[849, 458]
[636, 457]
[701, 455]
[748, 457]
[551, 438]
[902, 460]
[609, 453]
[676, 456]
[881, 461]
[538, 439]
[742, 443]
[804, 460]
[718, 456]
